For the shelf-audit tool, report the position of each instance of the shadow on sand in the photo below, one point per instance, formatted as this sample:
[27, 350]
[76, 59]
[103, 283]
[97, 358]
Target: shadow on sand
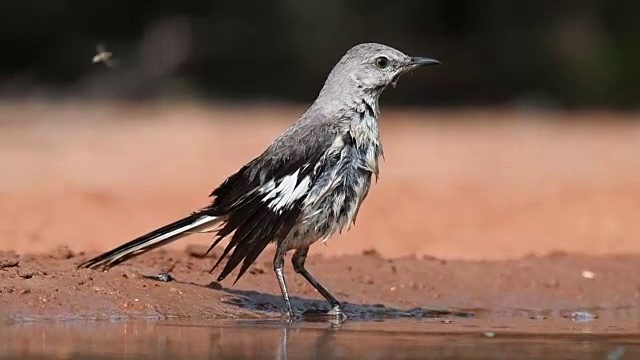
[315, 309]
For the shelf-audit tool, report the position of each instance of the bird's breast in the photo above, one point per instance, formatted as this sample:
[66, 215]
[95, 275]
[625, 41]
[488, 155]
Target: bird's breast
[366, 134]
[341, 186]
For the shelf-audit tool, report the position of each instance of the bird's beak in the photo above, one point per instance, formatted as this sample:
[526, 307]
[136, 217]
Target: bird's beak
[422, 61]
[413, 63]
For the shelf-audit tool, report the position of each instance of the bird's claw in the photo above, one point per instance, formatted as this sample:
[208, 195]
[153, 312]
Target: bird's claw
[336, 314]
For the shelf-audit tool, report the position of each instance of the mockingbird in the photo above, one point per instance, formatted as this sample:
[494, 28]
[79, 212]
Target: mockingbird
[306, 186]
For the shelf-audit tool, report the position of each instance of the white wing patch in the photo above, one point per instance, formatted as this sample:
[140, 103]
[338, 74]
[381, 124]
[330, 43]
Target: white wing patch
[286, 193]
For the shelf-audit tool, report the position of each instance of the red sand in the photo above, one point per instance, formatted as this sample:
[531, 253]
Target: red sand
[476, 190]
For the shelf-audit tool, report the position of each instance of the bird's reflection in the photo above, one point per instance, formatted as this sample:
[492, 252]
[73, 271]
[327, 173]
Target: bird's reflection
[323, 342]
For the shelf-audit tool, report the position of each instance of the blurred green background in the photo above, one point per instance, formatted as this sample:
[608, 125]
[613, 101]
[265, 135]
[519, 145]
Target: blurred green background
[558, 54]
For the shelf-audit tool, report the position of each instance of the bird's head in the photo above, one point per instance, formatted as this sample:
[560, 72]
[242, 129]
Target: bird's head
[374, 66]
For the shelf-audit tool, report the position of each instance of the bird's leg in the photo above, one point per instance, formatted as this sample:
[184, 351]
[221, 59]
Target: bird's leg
[278, 267]
[298, 260]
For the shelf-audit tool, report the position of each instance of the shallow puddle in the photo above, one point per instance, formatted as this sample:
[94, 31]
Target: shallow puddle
[484, 336]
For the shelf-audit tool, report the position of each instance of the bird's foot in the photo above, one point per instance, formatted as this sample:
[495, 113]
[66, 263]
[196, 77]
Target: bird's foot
[336, 314]
[289, 318]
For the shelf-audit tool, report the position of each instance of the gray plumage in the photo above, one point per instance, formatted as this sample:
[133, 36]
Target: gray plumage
[307, 185]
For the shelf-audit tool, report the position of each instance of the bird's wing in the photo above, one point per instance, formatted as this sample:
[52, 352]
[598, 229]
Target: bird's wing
[262, 201]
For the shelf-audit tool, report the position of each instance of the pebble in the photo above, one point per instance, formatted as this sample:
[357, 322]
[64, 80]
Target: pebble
[27, 274]
[166, 277]
[371, 252]
[7, 263]
[582, 316]
[215, 285]
[588, 274]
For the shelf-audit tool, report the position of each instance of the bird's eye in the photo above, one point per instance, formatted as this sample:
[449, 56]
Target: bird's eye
[381, 62]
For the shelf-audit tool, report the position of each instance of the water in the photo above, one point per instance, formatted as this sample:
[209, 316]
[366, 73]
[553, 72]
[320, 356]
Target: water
[480, 337]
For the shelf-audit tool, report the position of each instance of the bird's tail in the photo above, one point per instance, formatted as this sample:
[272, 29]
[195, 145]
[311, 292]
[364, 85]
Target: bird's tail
[193, 223]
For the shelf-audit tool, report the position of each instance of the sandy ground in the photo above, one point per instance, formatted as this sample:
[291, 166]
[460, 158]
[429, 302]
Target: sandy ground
[476, 210]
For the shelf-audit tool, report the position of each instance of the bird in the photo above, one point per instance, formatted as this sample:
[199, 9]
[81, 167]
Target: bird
[103, 56]
[306, 186]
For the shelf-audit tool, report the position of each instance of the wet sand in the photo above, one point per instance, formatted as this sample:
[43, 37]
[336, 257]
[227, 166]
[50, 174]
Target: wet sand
[504, 212]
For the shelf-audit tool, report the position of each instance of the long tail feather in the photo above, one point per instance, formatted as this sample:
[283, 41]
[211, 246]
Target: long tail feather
[191, 224]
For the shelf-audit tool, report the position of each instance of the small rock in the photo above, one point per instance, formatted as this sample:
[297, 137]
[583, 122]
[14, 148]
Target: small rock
[27, 274]
[164, 277]
[393, 288]
[582, 316]
[489, 334]
[215, 285]
[371, 252]
[588, 274]
[7, 263]
[25, 291]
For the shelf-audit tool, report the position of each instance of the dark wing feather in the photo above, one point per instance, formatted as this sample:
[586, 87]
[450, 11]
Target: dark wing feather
[247, 216]
[280, 228]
